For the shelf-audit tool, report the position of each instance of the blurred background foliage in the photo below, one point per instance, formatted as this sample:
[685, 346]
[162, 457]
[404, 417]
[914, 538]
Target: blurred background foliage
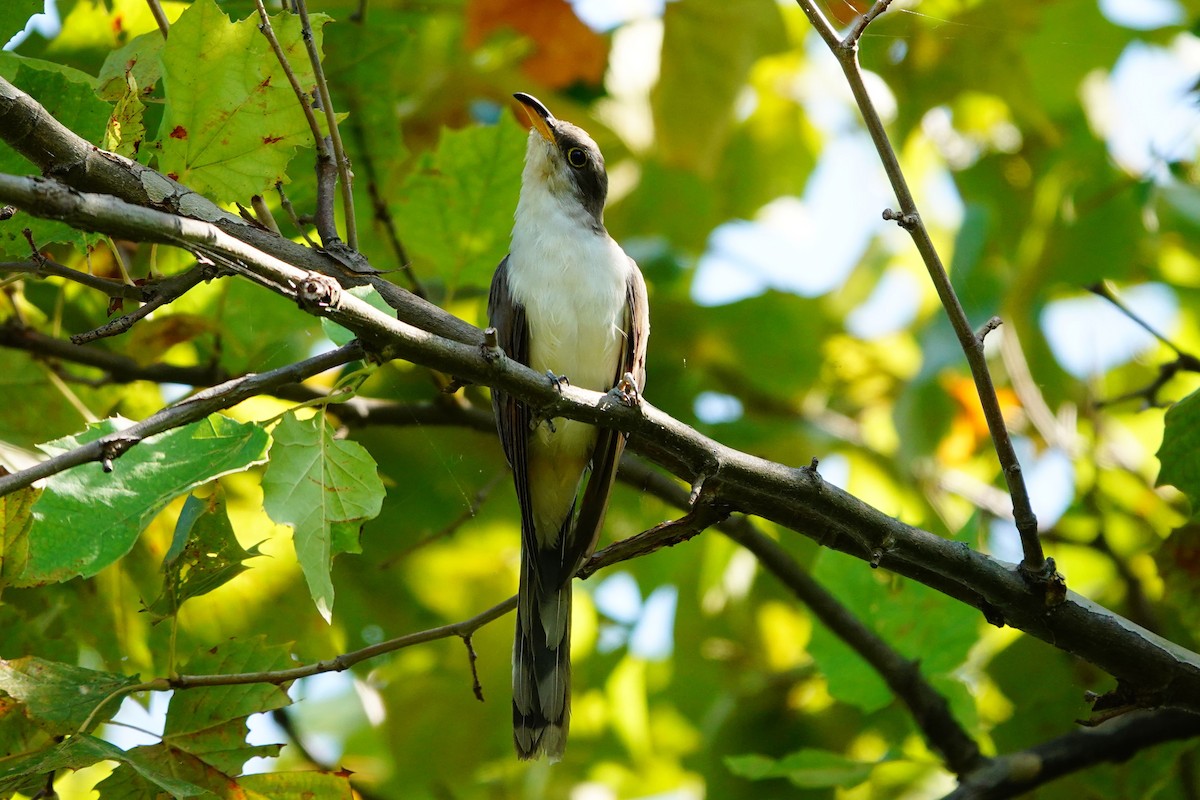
[1051, 148]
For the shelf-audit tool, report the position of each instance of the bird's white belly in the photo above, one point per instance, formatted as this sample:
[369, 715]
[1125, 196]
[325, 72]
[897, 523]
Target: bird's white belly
[575, 311]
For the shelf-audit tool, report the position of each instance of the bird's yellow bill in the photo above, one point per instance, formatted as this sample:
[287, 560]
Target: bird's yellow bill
[538, 115]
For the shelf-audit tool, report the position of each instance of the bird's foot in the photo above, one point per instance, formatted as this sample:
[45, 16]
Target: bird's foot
[626, 391]
[557, 381]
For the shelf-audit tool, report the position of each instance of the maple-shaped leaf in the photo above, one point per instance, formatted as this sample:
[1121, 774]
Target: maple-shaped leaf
[325, 489]
[232, 121]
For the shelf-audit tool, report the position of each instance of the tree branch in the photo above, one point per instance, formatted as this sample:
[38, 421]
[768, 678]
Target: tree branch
[30, 130]
[1117, 740]
[44, 266]
[118, 368]
[795, 498]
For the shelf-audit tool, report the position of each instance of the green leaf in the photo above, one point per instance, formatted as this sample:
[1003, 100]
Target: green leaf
[210, 723]
[81, 751]
[457, 206]
[16, 15]
[341, 336]
[68, 96]
[16, 518]
[1179, 452]
[315, 483]
[807, 769]
[117, 506]
[60, 697]
[141, 60]
[710, 44]
[297, 786]
[917, 621]
[204, 554]
[232, 121]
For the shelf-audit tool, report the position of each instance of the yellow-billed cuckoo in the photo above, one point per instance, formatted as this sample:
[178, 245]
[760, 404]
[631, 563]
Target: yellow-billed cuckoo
[566, 301]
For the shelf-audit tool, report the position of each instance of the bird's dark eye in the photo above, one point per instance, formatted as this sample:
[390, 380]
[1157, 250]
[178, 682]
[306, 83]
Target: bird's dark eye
[576, 157]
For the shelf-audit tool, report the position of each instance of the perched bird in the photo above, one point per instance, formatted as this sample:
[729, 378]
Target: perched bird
[566, 301]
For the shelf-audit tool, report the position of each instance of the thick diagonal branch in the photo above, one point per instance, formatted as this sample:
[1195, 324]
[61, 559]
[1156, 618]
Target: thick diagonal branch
[1159, 671]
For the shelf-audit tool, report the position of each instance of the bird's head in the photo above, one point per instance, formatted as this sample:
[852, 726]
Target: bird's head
[562, 160]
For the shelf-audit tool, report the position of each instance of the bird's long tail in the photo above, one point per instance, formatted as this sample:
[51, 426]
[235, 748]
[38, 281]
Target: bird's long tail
[542, 653]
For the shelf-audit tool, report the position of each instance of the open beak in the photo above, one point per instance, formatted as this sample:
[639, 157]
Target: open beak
[543, 121]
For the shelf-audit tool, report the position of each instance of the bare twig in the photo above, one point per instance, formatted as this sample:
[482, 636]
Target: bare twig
[860, 26]
[164, 292]
[262, 212]
[1183, 362]
[1034, 564]
[110, 287]
[339, 152]
[117, 368]
[286, 203]
[160, 17]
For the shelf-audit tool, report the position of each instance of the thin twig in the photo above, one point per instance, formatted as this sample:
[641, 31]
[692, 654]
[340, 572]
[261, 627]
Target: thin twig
[166, 291]
[339, 152]
[1034, 564]
[379, 207]
[117, 368]
[160, 17]
[262, 212]
[286, 203]
[46, 267]
[1117, 740]
[866, 19]
[302, 97]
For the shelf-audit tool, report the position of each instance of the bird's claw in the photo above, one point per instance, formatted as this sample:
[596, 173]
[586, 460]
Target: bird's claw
[626, 391]
[557, 381]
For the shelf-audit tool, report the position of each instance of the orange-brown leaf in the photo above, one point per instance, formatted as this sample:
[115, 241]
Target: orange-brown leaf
[565, 50]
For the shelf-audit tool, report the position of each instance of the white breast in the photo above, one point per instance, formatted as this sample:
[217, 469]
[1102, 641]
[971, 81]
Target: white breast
[572, 281]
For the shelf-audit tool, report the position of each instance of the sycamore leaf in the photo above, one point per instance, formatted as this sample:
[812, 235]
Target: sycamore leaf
[1179, 452]
[204, 737]
[28, 772]
[70, 538]
[204, 554]
[458, 204]
[60, 697]
[140, 60]
[232, 121]
[319, 485]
